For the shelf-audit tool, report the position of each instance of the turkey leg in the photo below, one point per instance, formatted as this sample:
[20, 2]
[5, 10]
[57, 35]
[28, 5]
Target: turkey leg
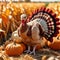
[33, 52]
[28, 51]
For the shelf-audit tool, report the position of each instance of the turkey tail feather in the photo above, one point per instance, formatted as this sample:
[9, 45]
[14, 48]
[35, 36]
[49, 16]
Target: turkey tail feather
[49, 21]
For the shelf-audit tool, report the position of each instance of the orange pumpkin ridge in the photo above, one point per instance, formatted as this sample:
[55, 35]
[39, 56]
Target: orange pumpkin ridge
[24, 47]
[55, 44]
[14, 49]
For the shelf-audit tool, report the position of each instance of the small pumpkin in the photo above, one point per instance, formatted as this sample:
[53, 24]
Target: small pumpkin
[14, 49]
[24, 46]
[55, 44]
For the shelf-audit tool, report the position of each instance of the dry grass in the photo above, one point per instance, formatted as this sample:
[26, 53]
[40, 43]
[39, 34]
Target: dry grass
[42, 54]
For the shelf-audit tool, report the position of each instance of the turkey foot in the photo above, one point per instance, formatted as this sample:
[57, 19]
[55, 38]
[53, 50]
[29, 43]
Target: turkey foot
[28, 51]
[33, 52]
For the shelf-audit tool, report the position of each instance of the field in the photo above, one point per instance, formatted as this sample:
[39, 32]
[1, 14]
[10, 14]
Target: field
[45, 53]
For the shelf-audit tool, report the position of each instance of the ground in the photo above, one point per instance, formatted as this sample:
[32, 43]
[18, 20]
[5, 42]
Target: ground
[42, 54]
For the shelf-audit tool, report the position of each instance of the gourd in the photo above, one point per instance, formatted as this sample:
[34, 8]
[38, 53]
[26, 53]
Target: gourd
[14, 49]
[55, 44]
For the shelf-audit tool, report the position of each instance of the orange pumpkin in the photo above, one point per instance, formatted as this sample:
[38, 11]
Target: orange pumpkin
[55, 44]
[24, 47]
[14, 49]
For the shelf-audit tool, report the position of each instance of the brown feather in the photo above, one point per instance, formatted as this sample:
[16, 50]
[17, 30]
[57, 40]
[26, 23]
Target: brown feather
[29, 34]
[41, 31]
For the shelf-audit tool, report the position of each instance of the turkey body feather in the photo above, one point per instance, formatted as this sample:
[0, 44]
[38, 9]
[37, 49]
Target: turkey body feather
[31, 28]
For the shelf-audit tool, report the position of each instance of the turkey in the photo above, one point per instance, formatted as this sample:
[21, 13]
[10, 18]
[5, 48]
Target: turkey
[41, 23]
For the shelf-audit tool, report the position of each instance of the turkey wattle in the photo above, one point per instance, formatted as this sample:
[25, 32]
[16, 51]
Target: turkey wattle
[41, 23]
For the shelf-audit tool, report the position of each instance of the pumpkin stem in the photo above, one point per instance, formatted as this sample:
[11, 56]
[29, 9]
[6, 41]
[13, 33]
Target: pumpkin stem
[14, 42]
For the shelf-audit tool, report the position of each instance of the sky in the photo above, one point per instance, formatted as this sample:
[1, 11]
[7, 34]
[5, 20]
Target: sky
[46, 0]
[35, 0]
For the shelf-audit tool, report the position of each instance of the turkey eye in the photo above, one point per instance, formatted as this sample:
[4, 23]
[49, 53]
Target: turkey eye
[24, 16]
[58, 38]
